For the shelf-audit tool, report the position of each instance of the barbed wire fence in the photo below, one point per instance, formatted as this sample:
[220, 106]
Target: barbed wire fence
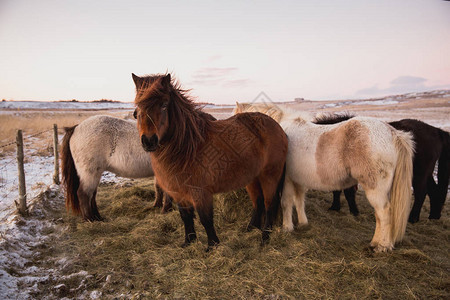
[13, 171]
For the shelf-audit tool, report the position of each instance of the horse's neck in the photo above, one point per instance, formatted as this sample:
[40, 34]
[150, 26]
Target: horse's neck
[178, 152]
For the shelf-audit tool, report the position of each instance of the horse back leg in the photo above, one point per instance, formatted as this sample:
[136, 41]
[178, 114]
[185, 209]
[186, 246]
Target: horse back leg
[440, 195]
[287, 204]
[88, 204]
[420, 184]
[350, 195]
[378, 198]
[299, 202]
[336, 205]
[271, 187]
[256, 195]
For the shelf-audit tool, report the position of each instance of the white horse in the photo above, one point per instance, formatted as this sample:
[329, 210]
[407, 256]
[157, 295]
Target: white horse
[334, 157]
[98, 144]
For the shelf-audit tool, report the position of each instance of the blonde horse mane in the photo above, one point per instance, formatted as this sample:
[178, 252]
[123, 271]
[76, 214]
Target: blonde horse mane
[272, 110]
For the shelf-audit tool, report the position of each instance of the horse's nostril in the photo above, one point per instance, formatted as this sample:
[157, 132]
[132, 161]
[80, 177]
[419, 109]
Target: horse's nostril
[149, 144]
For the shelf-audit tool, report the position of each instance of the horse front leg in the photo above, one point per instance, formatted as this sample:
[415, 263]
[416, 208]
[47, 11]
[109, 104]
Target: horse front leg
[187, 215]
[167, 203]
[159, 195]
[204, 206]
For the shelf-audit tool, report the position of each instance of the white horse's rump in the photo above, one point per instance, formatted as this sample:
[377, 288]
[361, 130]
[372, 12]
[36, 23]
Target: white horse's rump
[334, 157]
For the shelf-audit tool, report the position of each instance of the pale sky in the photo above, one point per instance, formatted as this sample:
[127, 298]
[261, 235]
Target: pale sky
[224, 51]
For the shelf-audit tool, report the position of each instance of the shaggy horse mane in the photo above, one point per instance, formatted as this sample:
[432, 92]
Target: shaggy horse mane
[271, 110]
[274, 111]
[332, 118]
[189, 124]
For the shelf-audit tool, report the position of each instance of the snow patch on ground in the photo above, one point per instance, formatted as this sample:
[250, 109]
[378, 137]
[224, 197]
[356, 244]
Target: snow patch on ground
[24, 105]
[20, 237]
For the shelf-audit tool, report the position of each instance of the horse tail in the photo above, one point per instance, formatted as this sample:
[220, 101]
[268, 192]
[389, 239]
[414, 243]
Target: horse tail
[401, 184]
[444, 166]
[70, 179]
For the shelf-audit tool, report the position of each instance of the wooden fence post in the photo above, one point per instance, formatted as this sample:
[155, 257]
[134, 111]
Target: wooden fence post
[56, 153]
[22, 205]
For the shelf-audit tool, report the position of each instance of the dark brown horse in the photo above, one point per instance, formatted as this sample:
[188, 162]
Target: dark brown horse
[194, 157]
[432, 144]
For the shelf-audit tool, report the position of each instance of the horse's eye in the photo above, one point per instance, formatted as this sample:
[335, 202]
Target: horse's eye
[135, 114]
[164, 106]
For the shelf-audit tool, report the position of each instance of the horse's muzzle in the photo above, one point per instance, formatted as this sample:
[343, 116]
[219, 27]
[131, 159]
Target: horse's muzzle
[149, 144]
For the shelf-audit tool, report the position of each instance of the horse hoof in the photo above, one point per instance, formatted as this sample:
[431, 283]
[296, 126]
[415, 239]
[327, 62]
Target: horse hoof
[93, 219]
[356, 213]
[434, 217]
[413, 220]
[265, 237]
[185, 244]
[211, 247]
[382, 249]
[250, 227]
[288, 228]
[335, 208]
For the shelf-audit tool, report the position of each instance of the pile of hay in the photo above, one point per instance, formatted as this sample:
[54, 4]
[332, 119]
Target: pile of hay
[136, 253]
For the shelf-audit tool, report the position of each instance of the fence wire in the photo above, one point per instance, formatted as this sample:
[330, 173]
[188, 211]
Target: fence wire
[38, 165]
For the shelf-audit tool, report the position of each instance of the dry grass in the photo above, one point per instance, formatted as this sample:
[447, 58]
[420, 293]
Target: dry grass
[136, 253]
[34, 122]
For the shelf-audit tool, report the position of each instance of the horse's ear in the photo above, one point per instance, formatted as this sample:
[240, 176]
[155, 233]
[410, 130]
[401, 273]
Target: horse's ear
[237, 109]
[166, 80]
[137, 80]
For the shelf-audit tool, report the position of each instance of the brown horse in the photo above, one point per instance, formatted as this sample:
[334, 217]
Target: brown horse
[194, 157]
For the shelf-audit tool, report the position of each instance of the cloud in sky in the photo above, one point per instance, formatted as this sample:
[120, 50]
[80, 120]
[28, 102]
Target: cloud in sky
[213, 58]
[399, 85]
[213, 73]
[408, 80]
[236, 83]
[213, 76]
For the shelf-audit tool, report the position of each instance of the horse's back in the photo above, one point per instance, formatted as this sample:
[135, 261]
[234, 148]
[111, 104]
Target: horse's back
[330, 157]
[242, 147]
[427, 138]
[270, 134]
[104, 143]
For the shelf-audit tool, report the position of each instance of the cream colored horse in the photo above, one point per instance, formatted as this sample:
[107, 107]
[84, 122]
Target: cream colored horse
[334, 157]
[98, 144]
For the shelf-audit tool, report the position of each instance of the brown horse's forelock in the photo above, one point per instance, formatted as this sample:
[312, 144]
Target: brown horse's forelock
[188, 124]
